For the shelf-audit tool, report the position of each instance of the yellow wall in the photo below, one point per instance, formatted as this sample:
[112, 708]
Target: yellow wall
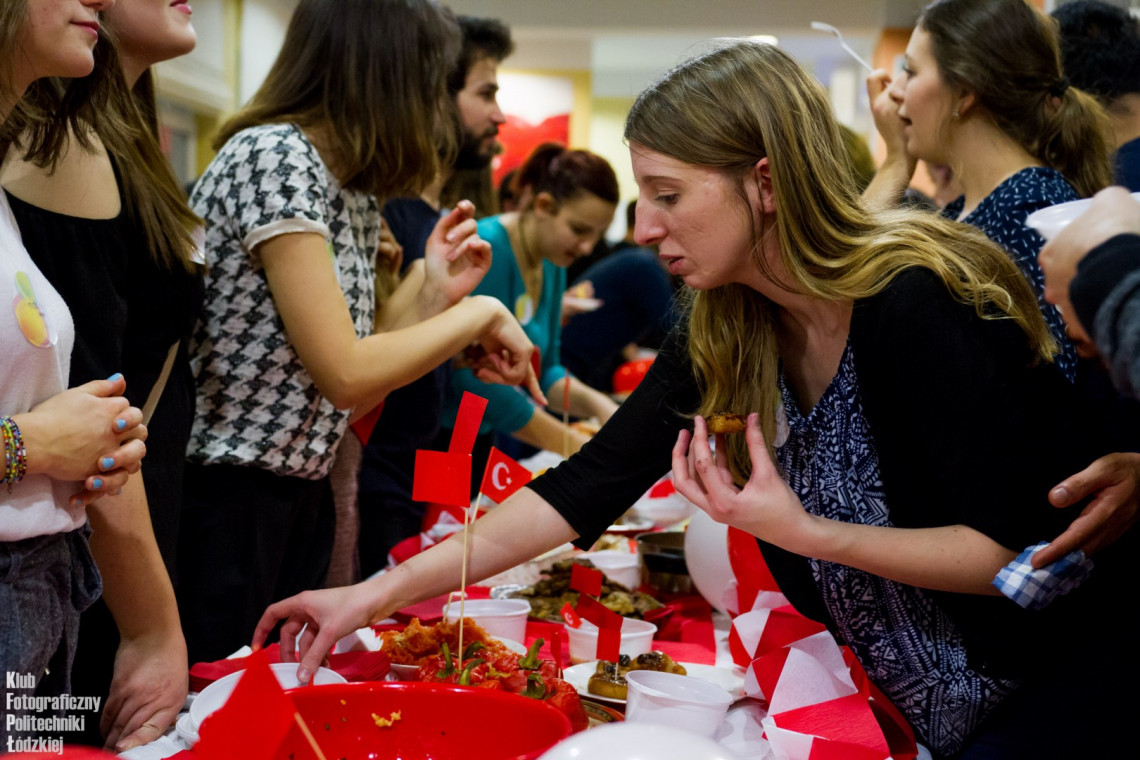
[607, 123]
[208, 124]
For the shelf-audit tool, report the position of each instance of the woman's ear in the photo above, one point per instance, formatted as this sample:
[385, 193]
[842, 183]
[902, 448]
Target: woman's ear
[762, 181]
[966, 101]
[546, 203]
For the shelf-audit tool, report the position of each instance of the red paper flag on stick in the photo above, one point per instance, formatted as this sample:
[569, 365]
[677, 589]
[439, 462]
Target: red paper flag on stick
[254, 721]
[467, 421]
[586, 580]
[609, 627]
[443, 478]
[503, 476]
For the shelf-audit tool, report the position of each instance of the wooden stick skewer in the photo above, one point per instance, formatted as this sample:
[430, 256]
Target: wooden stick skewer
[566, 417]
[309, 736]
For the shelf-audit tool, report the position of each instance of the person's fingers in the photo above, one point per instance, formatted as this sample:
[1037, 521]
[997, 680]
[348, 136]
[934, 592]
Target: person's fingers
[127, 422]
[115, 385]
[127, 457]
[682, 475]
[1078, 486]
[321, 645]
[532, 385]
[877, 81]
[1073, 538]
[151, 729]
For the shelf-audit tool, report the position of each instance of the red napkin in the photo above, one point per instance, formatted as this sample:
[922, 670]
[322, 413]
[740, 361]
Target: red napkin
[354, 666]
[685, 630]
[431, 610]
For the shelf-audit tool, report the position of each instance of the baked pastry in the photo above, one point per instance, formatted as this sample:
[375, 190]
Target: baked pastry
[726, 422]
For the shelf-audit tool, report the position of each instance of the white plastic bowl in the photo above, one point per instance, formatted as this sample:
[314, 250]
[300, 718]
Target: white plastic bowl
[636, 741]
[1050, 221]
[636, 638]
[669, 699]
[503, 618]
[216, 694]
[619, 567]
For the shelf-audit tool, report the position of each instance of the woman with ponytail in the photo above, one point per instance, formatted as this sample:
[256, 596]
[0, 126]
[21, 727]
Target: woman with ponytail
[567, 200]
[983, 92]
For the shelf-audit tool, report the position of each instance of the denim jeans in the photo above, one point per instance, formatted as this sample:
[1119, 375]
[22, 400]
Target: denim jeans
[45, 582]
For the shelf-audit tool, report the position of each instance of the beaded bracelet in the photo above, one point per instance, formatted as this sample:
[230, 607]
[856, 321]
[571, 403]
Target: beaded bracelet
[15, 454]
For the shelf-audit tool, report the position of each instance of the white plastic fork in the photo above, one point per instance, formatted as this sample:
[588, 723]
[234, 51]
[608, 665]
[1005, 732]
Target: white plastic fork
[819, 26]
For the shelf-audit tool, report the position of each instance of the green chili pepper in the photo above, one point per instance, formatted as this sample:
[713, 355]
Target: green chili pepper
[474, 647]
[535, 688]
[448, 666]
[530, 661]
[465, 676]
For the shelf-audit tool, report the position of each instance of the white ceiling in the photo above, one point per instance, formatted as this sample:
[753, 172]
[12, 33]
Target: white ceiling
[626, 44]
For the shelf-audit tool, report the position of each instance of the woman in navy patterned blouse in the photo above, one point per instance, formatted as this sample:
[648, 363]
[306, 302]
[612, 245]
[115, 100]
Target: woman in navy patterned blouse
[982, 90]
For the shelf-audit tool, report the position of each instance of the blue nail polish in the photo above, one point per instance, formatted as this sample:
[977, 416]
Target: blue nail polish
[97, 483]
[115, 377]
[107, 463]
[120, 424]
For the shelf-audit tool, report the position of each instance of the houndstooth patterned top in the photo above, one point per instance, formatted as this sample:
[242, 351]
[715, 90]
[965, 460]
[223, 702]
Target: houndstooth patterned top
[256, 404]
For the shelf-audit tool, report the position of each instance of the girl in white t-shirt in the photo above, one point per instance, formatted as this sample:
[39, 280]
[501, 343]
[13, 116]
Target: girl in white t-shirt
[61, 449]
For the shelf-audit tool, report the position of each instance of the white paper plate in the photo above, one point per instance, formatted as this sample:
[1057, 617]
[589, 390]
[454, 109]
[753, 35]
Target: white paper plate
[1051, 220]
[731, 681]
[582, 304]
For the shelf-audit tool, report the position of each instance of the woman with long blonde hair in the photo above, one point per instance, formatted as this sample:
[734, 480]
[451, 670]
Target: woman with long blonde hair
[897, 455]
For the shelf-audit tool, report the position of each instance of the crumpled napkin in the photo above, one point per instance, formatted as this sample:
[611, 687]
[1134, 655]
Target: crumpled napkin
[354, 666]
[1036, 589]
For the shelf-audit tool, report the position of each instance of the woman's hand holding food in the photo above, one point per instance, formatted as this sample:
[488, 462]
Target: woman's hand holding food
[90, 433]
[456, 258]
[766, 507]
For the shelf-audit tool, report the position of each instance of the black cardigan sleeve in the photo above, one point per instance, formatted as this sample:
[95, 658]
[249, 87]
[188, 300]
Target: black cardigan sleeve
[631, 451]
[968, 427]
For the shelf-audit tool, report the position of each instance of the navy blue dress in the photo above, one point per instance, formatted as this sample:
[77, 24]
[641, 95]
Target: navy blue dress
[1001, 215]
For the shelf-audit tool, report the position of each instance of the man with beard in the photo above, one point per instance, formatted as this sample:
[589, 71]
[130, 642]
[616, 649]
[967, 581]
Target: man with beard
[410, 418]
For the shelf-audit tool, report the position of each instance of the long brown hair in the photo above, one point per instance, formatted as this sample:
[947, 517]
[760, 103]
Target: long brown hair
[127, 125]
[1006, 53]
[744, 101]
[371, 75]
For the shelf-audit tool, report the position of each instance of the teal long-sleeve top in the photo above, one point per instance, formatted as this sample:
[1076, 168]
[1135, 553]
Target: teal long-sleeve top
[509, 408]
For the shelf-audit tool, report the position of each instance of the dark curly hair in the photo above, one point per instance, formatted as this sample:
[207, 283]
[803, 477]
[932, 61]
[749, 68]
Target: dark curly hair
[1100, 48]
[482, 38]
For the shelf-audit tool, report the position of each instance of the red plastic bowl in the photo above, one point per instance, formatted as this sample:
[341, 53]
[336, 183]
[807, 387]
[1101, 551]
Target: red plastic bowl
[437, 722]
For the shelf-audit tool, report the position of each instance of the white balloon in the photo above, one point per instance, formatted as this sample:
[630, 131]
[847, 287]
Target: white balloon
[637, 741]
[706, 554]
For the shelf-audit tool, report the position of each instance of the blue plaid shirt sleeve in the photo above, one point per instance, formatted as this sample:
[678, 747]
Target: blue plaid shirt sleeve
[1036, 589]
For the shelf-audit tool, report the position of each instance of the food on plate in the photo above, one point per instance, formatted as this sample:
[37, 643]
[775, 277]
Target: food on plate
[726, 422]
[588, 427]
[549, 595]
[608, 680]
[419, 643]
[484, 668]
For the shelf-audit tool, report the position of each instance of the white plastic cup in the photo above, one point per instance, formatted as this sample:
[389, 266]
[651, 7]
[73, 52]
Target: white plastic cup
[503, 618]
[1051, 220]
[669, 699]
[636, 638]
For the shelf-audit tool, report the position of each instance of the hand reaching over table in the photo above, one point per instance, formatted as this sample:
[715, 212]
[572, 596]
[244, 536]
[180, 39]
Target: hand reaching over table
[1113, 482]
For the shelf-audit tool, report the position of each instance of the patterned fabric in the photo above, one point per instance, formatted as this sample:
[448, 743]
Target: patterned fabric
[1036, 589]
[256, 403]
[1001, 215]
[907, 644]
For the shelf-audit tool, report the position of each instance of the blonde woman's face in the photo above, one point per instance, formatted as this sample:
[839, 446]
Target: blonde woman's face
[58, 39]
[152, 31]
[696, 218]
[925, 103]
